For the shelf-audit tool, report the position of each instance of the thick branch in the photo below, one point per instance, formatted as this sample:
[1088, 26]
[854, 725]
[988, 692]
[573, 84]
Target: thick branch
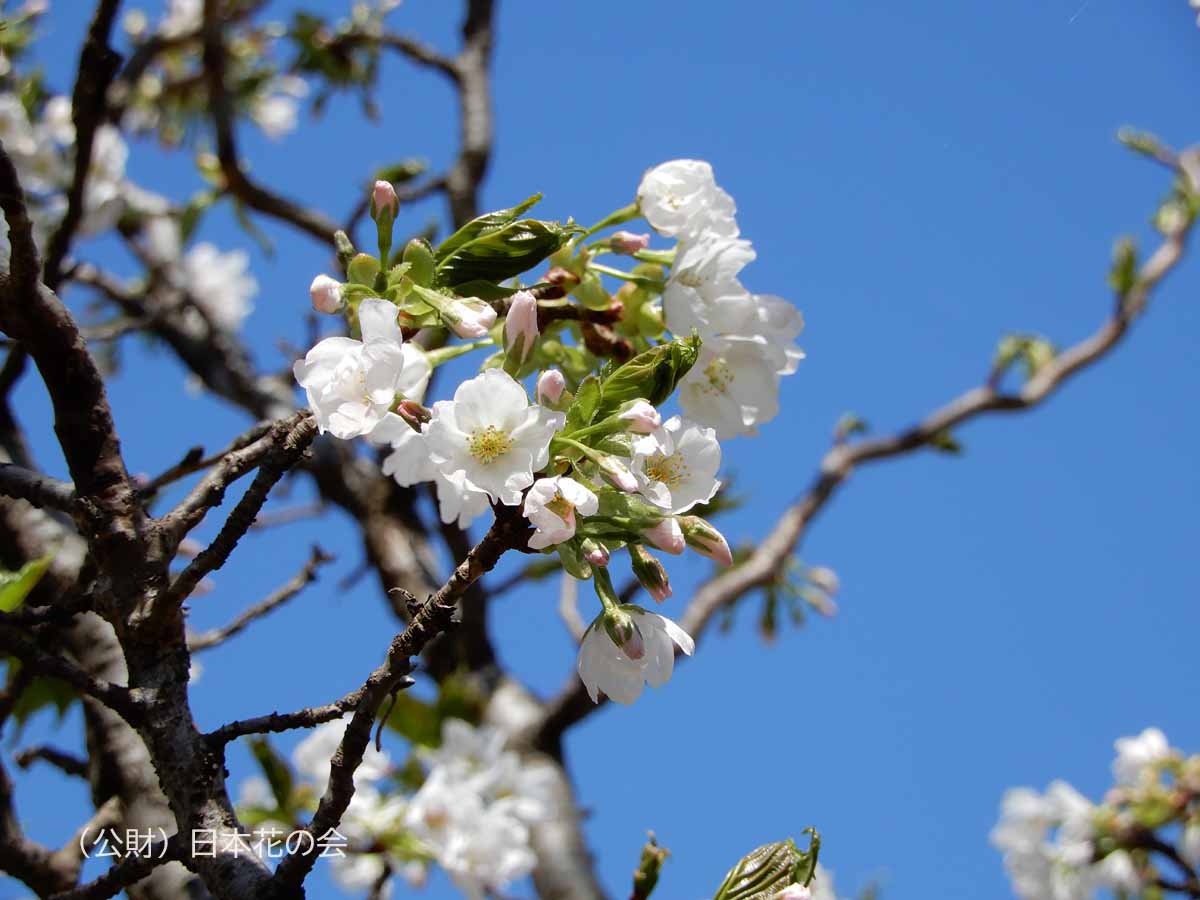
[38, 489]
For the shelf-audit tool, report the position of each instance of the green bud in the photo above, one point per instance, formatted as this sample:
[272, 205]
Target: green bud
[362, 269]
[650, 572]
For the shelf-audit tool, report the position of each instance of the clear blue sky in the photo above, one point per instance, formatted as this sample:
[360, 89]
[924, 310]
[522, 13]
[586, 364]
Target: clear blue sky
[919, 178]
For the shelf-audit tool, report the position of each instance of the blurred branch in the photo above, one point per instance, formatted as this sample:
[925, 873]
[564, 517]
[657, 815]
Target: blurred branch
[60, 759]
[295, 585]
[98, 64]
[237, 181]
[772, 553]
[38, 489]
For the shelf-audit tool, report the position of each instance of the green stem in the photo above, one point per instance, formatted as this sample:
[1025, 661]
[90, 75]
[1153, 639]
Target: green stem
[639, 280]
[616, 217]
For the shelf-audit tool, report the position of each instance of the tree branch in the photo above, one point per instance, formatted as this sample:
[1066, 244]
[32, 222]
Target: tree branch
[772, 553]
[38, 489]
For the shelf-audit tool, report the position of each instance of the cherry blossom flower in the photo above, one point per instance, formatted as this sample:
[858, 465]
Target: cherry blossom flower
[703, 292]
[605, 667]
[220, 284]
[681, 199]
[488, 438]
[1136, 755]
[733, 387]
[677, 469]
[551, 505]
[351, 384]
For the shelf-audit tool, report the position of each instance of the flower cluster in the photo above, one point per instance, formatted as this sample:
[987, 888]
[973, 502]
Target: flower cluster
[471, 815]
[1058, 845]
[591, 461]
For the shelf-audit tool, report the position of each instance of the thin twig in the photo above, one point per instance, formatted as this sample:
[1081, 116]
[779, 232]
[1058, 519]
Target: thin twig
[295, 585]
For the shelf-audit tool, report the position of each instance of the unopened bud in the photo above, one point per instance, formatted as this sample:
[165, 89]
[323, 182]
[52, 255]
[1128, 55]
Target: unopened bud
[521, 327]
[650, 572]
[550, 387]
[706, 540]
[560, 277]
[413, 413]
[326, 294]
[640, 417]
[666, 536]
[383, 198]
[618, 475]
[469, 317]
[624, 633]
[627, 243]
[595, 552]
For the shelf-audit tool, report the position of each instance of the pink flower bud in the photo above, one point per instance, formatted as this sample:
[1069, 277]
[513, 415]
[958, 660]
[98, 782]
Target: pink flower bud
[413, 413]
[618, 475]
[627, 243]
[550, 387]
[326, 294]
[640, 417]
[521, 325]
[383, 196]
[595, 553]
[469, 318]
[706, 540]
[666, 536]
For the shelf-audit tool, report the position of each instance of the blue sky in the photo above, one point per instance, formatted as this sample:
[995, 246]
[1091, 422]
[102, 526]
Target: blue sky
[919, 179]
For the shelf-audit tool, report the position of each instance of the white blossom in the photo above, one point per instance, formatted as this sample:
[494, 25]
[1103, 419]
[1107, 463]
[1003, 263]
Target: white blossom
[351, 384]
[276, 114]
[1136, 755]
[681, 199]
[161, 240]
[488, 438]
[1046, 840]
[677, 467]
[703, 292]
[733, 387]
[551, 505]
[182, 17]
[220, 283]
[605, 667]
[1189, 844]
[311, 756]
[409, 464]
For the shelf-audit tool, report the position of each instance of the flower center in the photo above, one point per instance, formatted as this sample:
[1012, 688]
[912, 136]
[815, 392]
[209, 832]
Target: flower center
[719, 375]
[489, 444]
[561, 507]
[670, 470]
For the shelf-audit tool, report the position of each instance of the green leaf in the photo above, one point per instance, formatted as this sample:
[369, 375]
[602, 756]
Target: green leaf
[945, 442]
[15, 586]
[583, 410]
[41, 693]
[651, 376]
[503, 252]
[421, 722]
[276, 770]
[768, 870]
[645, 876]
[1123, 274]
[572, 560]
[484, 225]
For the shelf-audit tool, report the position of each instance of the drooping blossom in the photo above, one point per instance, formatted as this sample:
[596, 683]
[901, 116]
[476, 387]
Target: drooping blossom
[606, 668]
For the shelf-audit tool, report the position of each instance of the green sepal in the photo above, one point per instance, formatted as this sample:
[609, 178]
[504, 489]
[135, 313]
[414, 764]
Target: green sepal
[572, 560]
[363, 269]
